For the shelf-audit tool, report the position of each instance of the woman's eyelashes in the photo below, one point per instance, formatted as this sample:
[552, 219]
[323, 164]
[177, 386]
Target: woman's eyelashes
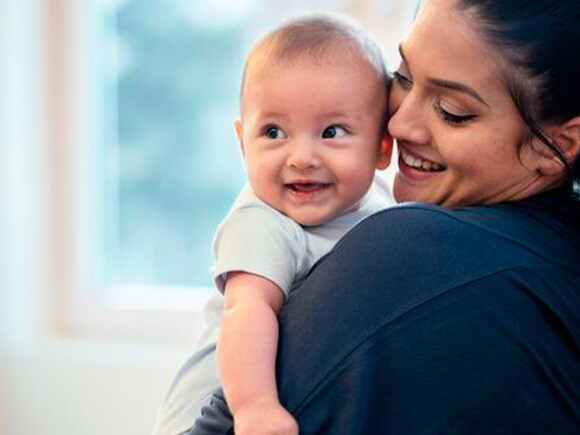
[402, 80]
[450, 117]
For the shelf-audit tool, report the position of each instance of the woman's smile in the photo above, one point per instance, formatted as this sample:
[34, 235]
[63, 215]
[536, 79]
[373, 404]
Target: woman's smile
[412, 165]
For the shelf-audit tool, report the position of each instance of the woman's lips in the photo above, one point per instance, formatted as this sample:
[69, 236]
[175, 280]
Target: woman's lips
[415, 167]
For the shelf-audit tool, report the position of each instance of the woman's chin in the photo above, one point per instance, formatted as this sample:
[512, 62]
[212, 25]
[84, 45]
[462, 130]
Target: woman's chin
[407, 191]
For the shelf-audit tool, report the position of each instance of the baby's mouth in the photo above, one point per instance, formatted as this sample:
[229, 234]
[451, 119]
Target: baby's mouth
[306, 187]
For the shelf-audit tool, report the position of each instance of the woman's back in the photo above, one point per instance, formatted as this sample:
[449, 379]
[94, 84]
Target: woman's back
[485, 339]
[476, 331]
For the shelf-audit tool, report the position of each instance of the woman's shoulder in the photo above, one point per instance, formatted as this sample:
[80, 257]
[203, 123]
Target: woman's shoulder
[547, 209]
[411, 282]
[540, 229]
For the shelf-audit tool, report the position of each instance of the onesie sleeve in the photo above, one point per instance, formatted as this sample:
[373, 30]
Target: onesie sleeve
[261, 241]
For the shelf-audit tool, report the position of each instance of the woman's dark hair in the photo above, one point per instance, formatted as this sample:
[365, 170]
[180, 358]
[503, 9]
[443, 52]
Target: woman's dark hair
[541, 41]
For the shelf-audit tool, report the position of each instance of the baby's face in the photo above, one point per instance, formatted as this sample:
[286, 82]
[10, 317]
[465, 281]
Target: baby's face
[312, 135]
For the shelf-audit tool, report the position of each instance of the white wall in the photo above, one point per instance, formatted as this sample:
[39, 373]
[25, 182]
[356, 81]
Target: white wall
[61, 388]
[50, 385]
[3, 223]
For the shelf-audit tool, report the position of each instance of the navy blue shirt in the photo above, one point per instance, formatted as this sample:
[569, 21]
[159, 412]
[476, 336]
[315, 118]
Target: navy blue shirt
[426, 320]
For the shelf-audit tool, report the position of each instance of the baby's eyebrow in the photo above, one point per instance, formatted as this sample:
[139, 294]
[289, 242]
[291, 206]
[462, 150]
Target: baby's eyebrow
[334, 114]
[270, 114]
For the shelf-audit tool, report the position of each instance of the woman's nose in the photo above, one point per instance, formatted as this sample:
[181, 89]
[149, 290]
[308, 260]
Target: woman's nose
[303, 155]
[408, 119]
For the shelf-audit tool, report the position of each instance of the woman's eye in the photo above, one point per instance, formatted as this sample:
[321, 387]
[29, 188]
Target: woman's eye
[333, 132]
[403, 81]
[274, 132]
[452, 118]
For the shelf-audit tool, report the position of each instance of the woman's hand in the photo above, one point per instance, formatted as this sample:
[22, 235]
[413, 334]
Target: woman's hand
[264, 418]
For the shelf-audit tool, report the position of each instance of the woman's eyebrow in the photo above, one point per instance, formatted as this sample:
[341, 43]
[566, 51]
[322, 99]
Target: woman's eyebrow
[455, 86]
[402, 54]
[447, 84]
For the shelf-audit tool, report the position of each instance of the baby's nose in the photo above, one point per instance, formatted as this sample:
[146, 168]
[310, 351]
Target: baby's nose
[304, 155]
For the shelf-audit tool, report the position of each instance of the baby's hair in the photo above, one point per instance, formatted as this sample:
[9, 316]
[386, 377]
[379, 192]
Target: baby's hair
[320, 37]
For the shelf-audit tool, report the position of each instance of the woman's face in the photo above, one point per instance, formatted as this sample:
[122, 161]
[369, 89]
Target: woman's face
[458, 131]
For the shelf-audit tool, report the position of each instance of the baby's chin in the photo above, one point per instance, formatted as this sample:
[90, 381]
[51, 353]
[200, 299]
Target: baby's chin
[310, 222]
[313, 219]
[310, 218]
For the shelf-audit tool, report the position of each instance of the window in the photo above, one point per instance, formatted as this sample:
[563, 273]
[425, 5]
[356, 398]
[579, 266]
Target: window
[170, 164]
[150, 93]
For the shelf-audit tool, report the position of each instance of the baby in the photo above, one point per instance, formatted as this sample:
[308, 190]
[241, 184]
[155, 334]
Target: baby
[312, 132]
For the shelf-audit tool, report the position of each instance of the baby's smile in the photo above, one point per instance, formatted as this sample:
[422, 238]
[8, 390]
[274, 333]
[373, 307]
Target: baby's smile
[308, 189]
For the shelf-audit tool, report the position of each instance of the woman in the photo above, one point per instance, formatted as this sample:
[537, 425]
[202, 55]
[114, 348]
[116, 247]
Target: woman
[462, 316]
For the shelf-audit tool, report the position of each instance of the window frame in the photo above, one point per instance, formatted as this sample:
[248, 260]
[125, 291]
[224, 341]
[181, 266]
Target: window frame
[78, 306]
[171, 315]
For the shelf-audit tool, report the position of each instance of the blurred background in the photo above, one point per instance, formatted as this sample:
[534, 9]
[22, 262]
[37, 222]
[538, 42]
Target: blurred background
[117, 161]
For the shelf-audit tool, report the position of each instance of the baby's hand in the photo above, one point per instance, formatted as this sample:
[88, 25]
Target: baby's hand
[264, 418]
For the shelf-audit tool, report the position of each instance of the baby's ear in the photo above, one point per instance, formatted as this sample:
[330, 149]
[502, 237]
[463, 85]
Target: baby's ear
[385, 152]
[239, 133]
[567, 138]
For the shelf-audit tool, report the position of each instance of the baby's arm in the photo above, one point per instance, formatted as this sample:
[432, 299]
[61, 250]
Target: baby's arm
[247, 355]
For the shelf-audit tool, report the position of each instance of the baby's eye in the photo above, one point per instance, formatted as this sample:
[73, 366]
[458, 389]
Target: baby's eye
[333, 132]
[274, 132]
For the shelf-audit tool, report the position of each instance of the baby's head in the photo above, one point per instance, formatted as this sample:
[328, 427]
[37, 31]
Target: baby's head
[313, 118]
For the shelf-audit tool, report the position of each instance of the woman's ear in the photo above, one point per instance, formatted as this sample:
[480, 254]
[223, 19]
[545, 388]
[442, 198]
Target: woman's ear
[239, 133]
[385, 152]
[569, 139]
[566, 136]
